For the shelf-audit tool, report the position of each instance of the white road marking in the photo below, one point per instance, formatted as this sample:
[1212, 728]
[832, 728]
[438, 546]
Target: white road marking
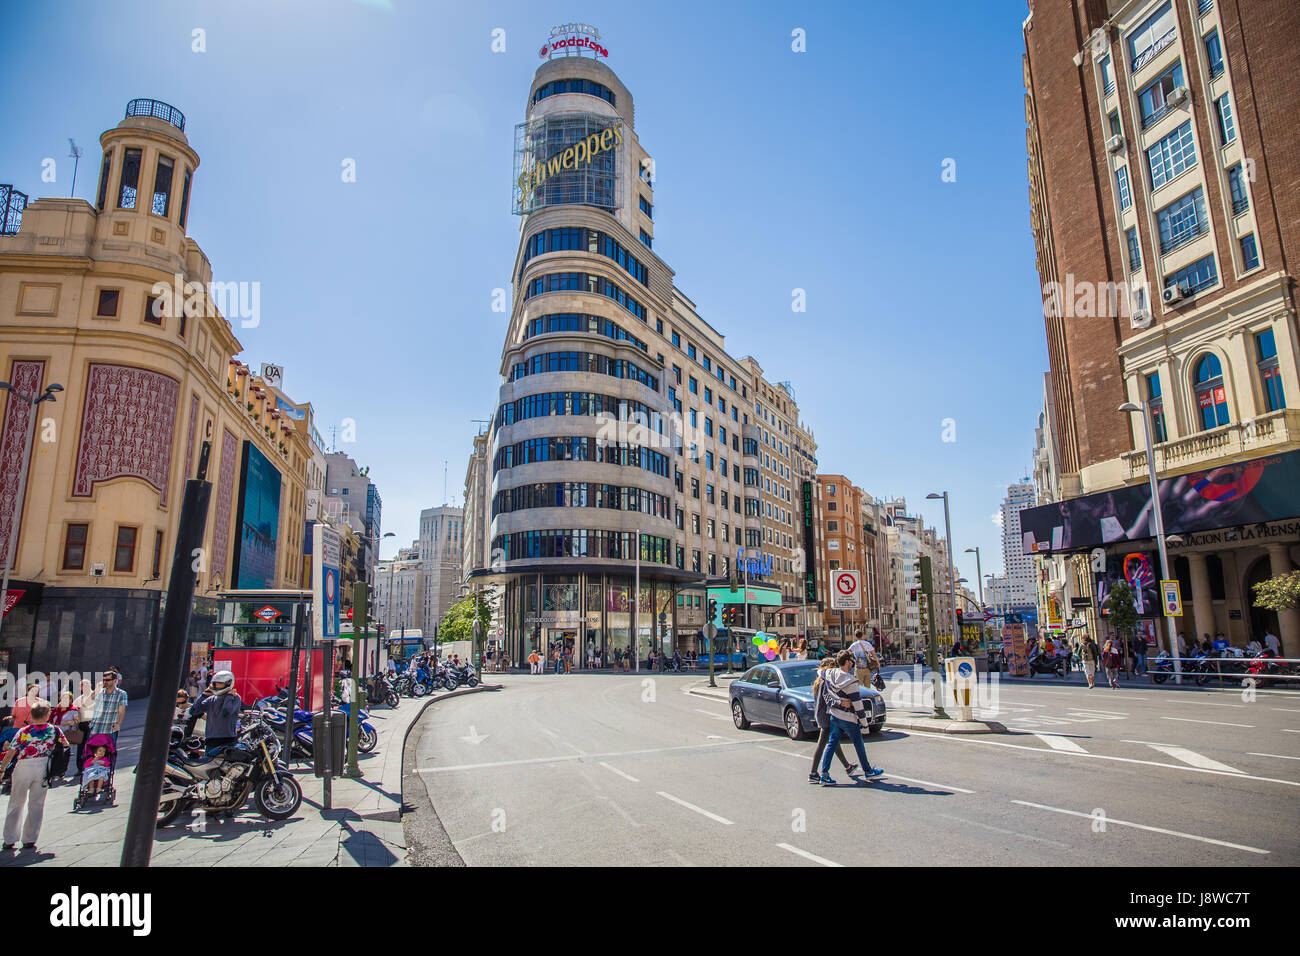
[1092, 712]
[1206, 703]
[1057, 742]
[625, 776]
[1186, 756]
[1285, 731]
[1022, 836]
[783, 753]
[927, 783]
[1216, 723]
[809, 856]
[1283, 710]
[967, 739]
[474, 736]
[714, 716]
[1251, 753]
[700, 810]
[1142, 826]
[562, 757]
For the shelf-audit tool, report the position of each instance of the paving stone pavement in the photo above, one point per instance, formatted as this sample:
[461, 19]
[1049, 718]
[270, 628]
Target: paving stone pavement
[363, 829]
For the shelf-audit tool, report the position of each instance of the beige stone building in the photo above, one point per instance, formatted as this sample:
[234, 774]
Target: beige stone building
[116, 303]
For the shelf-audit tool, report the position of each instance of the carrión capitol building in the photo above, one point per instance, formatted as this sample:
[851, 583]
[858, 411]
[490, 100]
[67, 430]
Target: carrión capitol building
[623, 426]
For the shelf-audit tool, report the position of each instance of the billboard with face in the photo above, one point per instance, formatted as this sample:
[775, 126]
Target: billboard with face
[1242, 493]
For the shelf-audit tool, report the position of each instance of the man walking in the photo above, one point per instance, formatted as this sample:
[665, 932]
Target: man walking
[864, 659]
[110, 706]
[847, 714]
[32, 748]
[1271, 642]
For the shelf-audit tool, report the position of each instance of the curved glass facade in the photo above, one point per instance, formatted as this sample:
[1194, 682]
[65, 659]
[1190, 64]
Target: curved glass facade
[584, 282]
[581, 494]
[589, 87]
[581, 543]
[579, 403]
[578, 239]
[583, 362]
[595, 450]
[581, 322]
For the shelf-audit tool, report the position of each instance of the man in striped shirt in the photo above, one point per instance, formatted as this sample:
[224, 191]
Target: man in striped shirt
[848, 716]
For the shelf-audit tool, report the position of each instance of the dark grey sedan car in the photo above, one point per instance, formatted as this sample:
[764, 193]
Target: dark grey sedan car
[780, 694]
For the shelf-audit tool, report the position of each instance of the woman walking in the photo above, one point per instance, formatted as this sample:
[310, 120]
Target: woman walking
[1112, 660]
[824, 727]
[847, 715]
[33, 748]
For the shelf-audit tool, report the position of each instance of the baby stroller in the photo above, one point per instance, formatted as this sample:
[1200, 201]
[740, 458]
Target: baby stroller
[90, 794]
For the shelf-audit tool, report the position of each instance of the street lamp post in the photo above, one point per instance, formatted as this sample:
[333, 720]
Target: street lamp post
[48, 395]
[979, 572]
[952, 584]
[1158, 513]
[392, 583]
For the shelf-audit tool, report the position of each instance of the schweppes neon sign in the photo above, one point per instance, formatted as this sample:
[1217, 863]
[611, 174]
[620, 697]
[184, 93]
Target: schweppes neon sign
[574, 157]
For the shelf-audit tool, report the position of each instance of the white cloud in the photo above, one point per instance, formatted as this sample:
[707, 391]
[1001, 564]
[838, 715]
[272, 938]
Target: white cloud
[996, 518]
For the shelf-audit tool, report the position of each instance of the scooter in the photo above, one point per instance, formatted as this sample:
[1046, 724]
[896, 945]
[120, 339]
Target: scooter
[1040, 664]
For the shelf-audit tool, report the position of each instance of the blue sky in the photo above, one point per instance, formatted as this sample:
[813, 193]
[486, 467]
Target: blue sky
[775, 170]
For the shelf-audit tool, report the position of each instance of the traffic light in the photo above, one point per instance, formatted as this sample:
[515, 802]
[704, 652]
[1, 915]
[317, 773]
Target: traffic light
[913, 595]
[927, 582]
[713, 611]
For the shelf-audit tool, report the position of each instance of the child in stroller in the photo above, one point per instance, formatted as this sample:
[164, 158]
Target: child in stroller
[97, 773]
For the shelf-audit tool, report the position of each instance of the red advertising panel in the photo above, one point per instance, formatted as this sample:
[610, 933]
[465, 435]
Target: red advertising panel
[260, 670]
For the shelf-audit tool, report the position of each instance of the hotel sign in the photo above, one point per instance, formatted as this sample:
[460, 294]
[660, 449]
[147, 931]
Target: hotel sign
[573, 39]
[809, 575]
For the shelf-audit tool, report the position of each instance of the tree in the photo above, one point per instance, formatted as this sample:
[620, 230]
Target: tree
[1121, 609]
[458, 623]
[1279, 593]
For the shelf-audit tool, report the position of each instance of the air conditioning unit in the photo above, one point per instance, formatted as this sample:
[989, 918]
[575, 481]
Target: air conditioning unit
[97, 570]
[1115, 143]
[1178, 97]
[1140, 319]
[1172, 294]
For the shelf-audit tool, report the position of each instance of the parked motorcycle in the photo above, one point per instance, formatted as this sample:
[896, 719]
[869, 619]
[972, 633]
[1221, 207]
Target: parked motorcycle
[465, 675]
[1040, 664]
[220, 781]
[1162, 668]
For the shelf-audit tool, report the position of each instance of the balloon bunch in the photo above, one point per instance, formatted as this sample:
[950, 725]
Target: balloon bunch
[767, 646]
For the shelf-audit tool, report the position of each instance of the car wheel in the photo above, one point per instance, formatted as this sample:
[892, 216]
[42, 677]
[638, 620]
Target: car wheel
[738, 716]
[793, 728]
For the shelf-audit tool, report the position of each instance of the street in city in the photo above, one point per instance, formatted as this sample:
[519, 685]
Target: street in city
[631, 770]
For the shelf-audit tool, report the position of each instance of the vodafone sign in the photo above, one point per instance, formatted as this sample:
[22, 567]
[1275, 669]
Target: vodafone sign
[573, 38]
[846, 591]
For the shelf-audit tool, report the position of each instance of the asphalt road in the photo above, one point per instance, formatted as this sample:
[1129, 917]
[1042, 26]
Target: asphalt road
[628, 770]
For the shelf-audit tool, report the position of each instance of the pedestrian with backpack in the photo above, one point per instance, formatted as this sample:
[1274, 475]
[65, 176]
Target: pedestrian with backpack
[34, 749]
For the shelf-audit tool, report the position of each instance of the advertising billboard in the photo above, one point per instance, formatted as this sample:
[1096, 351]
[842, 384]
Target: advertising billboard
[1141, 569]
[1242, 493]
[567, 158]
[258, 521]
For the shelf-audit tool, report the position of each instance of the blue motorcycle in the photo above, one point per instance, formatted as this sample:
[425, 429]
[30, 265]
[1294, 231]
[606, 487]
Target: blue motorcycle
[367, 736]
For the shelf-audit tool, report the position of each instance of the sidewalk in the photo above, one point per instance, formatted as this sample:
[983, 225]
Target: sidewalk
[363, 829]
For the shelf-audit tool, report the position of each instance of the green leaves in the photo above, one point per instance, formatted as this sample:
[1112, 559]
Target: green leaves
[1120, 607]
[1279, 593]
[458, 623]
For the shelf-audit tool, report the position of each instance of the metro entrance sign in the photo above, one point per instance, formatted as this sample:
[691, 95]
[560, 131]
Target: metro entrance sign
[846, 591]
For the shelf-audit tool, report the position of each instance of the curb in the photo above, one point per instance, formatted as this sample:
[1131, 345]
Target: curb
[941, 726]
[427, 842]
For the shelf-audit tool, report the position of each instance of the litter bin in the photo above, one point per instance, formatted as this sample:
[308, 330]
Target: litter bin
[328, 736]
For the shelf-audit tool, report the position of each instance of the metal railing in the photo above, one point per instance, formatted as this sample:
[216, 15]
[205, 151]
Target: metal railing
[1205, 6]
[1183, 236]
[158, 110]
[12, 204]
[1240, 205]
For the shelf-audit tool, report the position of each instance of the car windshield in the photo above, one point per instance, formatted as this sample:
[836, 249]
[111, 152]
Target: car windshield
[799, 676]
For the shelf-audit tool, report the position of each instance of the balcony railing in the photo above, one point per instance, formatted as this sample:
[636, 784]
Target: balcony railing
[12, 204]
[1240, 205]
[1205, 7]
[1238, 439]
[158, 110]
[1183, 236]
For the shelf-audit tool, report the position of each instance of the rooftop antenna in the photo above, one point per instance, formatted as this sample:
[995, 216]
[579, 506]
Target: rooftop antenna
[76, 159]
[444, 482]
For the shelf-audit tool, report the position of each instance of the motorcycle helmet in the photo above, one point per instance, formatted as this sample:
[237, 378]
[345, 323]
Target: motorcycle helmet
[223, 682]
